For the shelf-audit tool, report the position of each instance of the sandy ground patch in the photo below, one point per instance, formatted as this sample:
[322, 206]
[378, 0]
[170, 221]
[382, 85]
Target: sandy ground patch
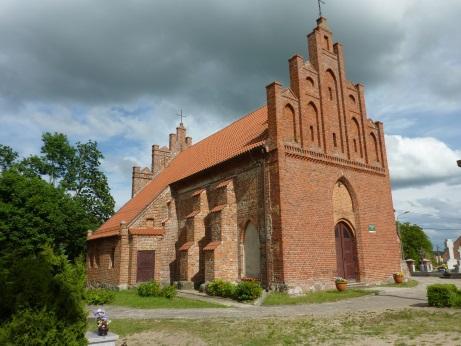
[160, 338]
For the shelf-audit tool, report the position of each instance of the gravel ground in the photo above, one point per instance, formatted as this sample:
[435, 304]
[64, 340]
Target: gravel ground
[388, 298]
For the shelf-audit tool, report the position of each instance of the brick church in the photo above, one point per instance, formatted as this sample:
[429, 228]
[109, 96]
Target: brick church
[294, 193]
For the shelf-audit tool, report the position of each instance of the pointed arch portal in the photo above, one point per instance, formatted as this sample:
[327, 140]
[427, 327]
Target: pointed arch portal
[252, 252]
[346, 251]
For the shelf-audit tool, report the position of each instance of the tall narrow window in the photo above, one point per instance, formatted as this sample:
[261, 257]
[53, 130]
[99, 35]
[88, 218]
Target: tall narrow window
[355, 145]
[335, 143]
[327, 42]
[330, 93]
[375, 147]
[96, 260]
[168, 205]
[112, 258]
[252, 252]
[290, 124]
[312, 133]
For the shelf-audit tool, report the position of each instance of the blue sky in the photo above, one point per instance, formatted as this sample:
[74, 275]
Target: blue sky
[118, 72]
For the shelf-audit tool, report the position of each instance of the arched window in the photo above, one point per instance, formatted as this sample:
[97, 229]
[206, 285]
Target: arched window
[355, 134]
[374, 143]
[312, 122]
[290, 124]
[251, 252]
[331, 96]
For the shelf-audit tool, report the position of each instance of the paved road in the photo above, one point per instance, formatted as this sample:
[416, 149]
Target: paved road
[388, 298]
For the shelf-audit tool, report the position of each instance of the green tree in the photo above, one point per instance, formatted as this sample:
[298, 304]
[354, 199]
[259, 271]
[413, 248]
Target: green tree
[76, 169]
[7, 157]
[415, 242]
[57, 156]
[89, 184]
[34, 213]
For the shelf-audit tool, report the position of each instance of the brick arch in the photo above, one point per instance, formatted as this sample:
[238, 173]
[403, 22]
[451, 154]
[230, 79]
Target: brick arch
[312, 130]
[374, 148]
[331, 99]
[251, 251]
[289, 124]
[344, 202]
[356, 139]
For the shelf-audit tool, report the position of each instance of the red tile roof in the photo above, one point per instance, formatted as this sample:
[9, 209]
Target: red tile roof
[104, 233]
[239, 137]
[147, 231]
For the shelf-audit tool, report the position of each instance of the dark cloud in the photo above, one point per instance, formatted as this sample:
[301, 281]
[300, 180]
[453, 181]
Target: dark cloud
[212, 55]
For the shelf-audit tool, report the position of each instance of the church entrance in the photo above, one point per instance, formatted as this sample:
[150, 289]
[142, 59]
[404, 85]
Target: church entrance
[346, 252]
[145, 266]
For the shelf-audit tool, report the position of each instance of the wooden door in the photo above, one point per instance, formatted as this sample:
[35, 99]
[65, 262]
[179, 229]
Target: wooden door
[146, 265]
[346, 252]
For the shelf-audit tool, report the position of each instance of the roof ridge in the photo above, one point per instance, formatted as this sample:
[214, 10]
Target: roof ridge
[222, 129]
[238, 137]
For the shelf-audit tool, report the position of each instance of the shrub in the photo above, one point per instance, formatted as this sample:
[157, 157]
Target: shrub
[149, 289]
[42, 300]
[29, 327]
[228, 290]
[221, 288]
[214, 287]
[168, 292]
[455, 300]
[440, 295]
[99, 296]
[247, 290]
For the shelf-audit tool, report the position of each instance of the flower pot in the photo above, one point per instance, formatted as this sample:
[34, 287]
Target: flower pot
[398, 279]
[341, 286]
[103, 329]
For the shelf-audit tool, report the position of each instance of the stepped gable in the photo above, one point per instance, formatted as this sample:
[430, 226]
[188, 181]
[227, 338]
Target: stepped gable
[239, 137]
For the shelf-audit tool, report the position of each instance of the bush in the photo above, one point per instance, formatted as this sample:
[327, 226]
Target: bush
[149, 289]
[455, 300]
[441, 295]
[99, 296]
[228, 290]
[29, 327]
[42, 294]
[168, 292]
[248, 290]
[221, 288]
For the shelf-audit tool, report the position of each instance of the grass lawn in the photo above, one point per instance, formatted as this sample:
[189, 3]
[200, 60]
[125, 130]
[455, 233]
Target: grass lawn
[131, 299]
[408, 284]
[314, 297]
[406, 327]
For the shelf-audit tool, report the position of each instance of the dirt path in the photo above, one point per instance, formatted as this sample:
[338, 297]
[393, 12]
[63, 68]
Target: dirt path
[388, 298]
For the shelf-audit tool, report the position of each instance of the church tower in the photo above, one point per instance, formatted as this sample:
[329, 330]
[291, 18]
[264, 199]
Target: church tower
[333, 181]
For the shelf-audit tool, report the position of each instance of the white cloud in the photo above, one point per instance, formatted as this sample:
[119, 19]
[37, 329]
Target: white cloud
[420, 161]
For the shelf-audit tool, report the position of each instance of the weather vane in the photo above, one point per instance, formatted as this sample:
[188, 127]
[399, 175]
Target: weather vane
[320, 6]
[181, 115]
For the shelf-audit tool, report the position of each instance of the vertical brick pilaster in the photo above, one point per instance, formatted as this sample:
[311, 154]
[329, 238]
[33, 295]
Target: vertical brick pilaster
[124, 255]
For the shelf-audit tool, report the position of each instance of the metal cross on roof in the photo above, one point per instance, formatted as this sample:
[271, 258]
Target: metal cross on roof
[181, 115]
[320, 6]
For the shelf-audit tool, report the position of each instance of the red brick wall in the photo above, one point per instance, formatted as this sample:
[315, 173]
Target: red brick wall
[318, 134]
[100, 269]
[337, 142]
